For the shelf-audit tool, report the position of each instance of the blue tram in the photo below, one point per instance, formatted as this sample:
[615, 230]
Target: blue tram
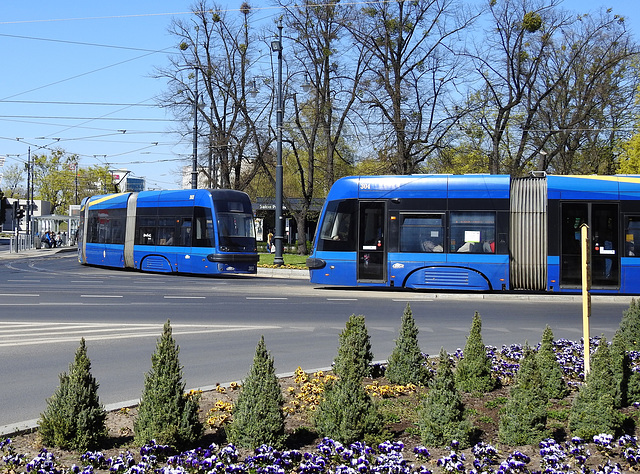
[187, 231]
[479, 232]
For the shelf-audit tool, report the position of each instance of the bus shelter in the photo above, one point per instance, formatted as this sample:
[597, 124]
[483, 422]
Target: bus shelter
[67, 226]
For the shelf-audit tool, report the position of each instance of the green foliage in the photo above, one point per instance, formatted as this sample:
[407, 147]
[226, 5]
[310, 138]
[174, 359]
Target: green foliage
[74, 418]
[347, 412]
[406, 363]
[354, 350]
[166, 413]
[550, 369]
[473, 373]
[626, 338]
[531, 22]
[54, 178]
[593, 410]
[629, 159]
[629, 328]
[442, 414]
[525, 414]
[257, 416]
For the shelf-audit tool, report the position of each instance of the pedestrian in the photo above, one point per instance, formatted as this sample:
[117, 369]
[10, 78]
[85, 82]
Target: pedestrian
[269, 241]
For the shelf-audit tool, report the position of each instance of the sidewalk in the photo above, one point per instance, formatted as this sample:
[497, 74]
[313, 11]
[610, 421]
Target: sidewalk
[44, 252]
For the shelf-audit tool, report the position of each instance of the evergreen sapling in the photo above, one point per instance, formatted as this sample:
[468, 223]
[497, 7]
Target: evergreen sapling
[407, 364]
[473, 373]
[442, 415]
[257, 416]
[525, 416]
[74, 418]
[593, 410]
[166, 414]
[550, 369]
[347, 413]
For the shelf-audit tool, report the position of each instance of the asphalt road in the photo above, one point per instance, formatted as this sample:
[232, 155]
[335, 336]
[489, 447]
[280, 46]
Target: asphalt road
[48, 303]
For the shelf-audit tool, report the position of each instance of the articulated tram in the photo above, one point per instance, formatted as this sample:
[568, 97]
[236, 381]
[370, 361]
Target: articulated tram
[188, 231]
[479, 232]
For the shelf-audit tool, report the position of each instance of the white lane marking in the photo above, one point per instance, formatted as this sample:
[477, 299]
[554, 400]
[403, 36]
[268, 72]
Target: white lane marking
[101, 296]
[342, 299]
[169, 297]
[21, 295]
[266, 298]
[22, 334]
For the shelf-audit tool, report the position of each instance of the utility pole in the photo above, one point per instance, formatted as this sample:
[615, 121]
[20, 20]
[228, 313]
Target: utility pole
[194, 165]
[29, 198]
[276, 46]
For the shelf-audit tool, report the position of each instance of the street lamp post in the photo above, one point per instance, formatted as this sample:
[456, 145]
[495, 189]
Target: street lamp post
[276, 46]
[194, 165]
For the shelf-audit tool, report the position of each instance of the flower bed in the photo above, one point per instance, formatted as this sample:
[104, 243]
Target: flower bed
[307, 454]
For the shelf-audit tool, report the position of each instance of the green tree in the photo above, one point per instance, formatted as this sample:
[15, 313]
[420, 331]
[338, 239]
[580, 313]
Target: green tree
[473, 373]
[626, 339]
[593, 410]
[166, 413]
[347, 413]
[354, 350]
[74, 418]
[407, 92]
[257, 415]
[442, 417]
[407, 364]
[550, 369]
[525, 415]
[55, 180]
[629, 159]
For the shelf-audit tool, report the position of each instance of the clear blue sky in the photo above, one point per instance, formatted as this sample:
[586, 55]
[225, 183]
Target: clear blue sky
[56, 65]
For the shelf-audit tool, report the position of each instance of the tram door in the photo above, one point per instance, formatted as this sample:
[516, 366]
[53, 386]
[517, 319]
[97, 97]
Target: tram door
[602, 219]
[372, 255]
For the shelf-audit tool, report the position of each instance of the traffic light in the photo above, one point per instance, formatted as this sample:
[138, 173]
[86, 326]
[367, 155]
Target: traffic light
[19, 214]
[4, 206]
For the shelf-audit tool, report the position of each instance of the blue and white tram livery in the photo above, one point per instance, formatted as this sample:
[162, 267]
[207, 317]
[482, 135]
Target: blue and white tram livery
[199, 231]
[479, 232]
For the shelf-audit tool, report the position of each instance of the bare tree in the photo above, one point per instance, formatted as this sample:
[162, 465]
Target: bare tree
[544, 73]
[330, 78]
[584, 119]
[217, 50]
[410, 89]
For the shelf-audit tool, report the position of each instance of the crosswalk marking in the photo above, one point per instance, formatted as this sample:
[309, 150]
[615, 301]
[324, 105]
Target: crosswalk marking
[17, 333]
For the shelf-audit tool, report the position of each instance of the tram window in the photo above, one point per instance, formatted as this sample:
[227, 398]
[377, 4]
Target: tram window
[631, 236]
[473, 232]
[146, 230]
[338, 230]
[203, 227]
[421, 233]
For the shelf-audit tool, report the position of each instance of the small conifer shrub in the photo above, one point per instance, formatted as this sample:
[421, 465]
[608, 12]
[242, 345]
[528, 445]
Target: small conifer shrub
[473, 373]
[593, 410]
[258, 417]
[442, 415]
[74, 418]
[625, 340]
[629, 328]
[354, 349]
[406, 363]
[347, 413]
[626, 382]
[550, 369]
[525, 415]
[166, 414]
